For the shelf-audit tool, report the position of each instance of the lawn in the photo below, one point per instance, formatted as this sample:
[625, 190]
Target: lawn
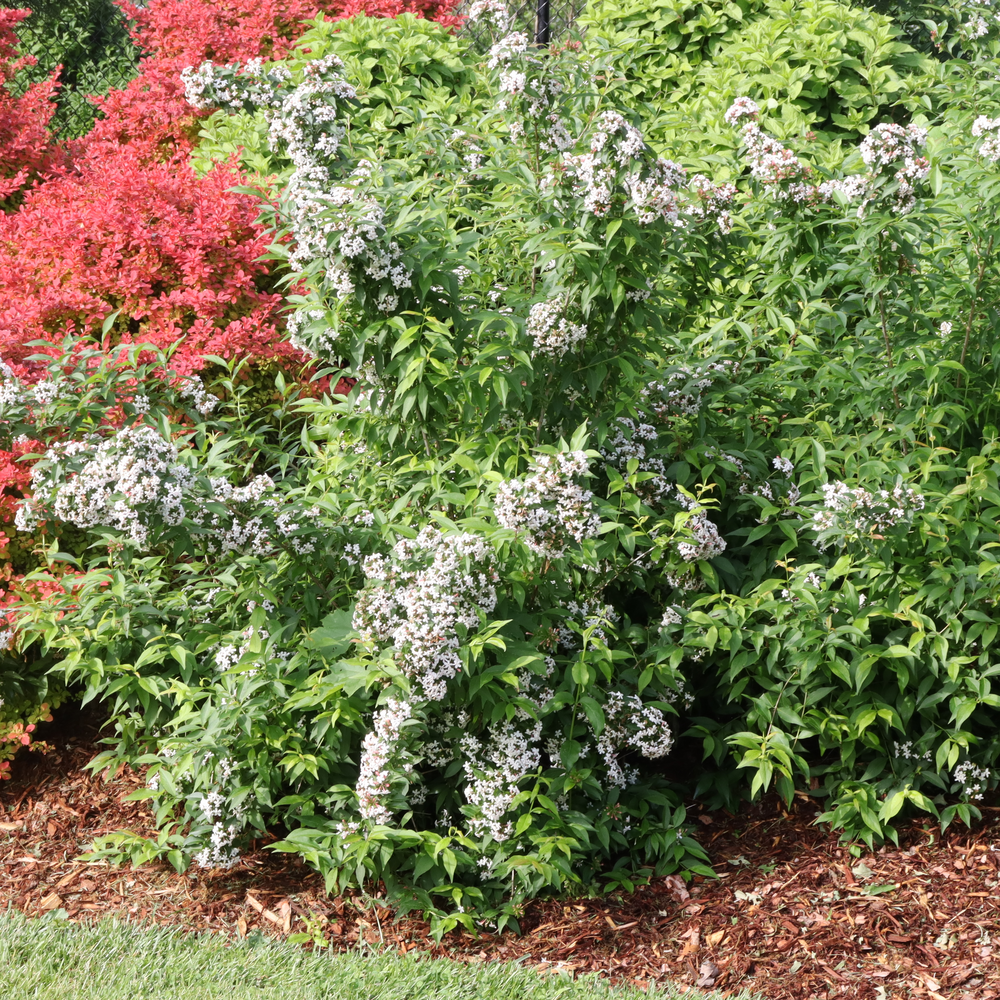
[54, 959]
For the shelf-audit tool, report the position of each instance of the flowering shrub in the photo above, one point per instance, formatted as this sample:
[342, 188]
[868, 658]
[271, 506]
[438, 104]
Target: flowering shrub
[151, 115]
[633, 460]
[548, 505]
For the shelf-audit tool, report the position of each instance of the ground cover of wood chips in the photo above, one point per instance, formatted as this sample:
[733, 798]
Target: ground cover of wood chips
[792, 914]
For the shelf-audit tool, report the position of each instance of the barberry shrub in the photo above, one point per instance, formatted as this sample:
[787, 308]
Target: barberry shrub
[85, 46]
[26, 146]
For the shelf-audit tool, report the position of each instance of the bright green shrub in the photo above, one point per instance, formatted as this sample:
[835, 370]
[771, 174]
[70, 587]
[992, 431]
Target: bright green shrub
[821, 66]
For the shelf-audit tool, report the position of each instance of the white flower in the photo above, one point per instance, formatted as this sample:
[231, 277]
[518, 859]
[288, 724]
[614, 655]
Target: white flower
[378, 751]
[548, 505]
[494, 766]
[418, 596]
[491, 12]
[193, 388]
[989, 128]
[550, 331]
[44, 392]
[858, 511]
[742, 109]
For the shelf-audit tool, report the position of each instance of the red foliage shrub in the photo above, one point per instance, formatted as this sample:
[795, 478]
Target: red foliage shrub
[14, 736]
[26, 147]
[15, 478]
[176, 254]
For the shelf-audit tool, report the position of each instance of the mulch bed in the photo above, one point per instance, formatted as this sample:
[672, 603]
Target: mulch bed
[792, 914]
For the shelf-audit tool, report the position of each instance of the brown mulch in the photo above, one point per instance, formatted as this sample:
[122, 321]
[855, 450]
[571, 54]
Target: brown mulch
[792, 914]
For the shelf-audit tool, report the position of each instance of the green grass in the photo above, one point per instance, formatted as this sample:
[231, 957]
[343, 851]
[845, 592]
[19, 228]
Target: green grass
[52, 959]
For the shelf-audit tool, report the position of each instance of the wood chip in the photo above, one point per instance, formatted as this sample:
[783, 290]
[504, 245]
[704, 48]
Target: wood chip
[651, 937]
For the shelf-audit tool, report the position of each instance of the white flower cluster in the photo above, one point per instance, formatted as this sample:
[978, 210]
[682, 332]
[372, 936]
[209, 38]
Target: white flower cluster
[219, 853]
[201, 87]
[744, 110]
[630, 724]
[493, 13]
[711, 201]
[44, 393]
[494, 766]
[907, 752]
[119, 477]
[640, 294]
[586, 616]
[532, 90]
[619, 169]
[417, 598]
[679, 394]
[990, 129]
[133, 481]
[785, 177]
[679, 693]
[227, 819]
[228, 656]
[548, 505]
[379, 751]
[349, 221]
[550, 331]
[792, 493]
[707, 543]
[11, 389]
[893, 148]
[470, 151]
[976, 27]
[194, 389]
[704, 542]
[972, 779]
[888, 142]
[619, 139]
[631, 441]
[982, 16]
[6, 633]
[671, 616]
[327, 215]
[859, 511]
[592, 180]
[653, 191]
[772, 163]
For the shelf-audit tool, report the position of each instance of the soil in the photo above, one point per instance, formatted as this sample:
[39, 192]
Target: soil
[792, 913]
